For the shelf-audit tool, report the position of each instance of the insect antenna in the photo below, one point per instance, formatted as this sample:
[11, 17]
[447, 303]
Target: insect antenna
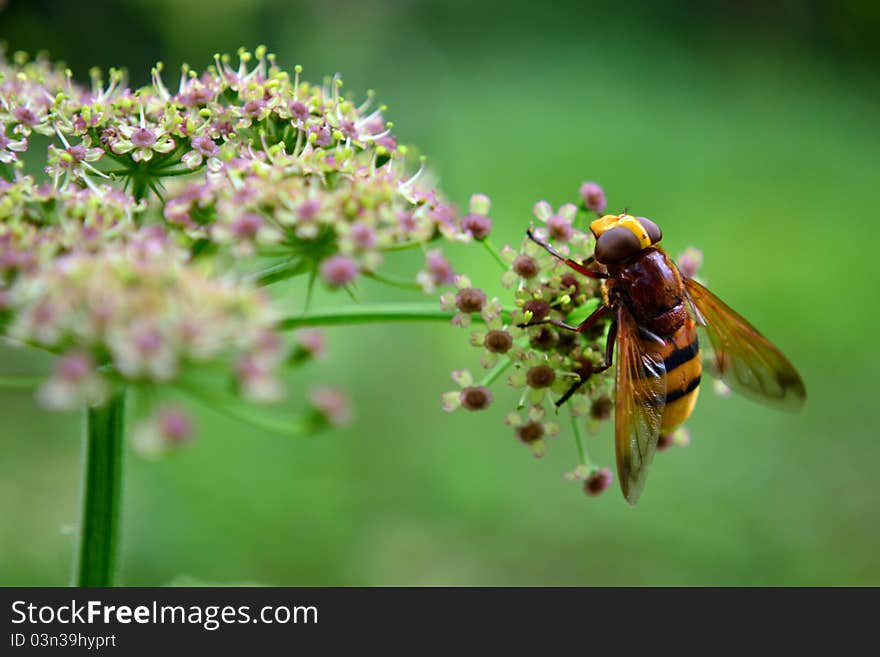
[574, 264]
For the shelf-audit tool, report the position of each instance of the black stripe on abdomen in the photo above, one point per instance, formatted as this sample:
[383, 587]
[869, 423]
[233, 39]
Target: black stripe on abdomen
[682, 356]
[678, 394]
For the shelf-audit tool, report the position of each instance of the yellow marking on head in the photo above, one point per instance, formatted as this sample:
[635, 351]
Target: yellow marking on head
[609, 221]
[603, 223]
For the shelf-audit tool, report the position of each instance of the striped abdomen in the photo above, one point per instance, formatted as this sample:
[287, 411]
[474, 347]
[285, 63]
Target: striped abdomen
[681, 357]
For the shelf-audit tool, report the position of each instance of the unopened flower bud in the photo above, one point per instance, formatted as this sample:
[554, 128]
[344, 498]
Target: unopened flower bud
[598, 481]
[525, 266]
[310, 345]
[332, 405]
[498, 342]
[175, 425]
[560, 229]
[439, 268]
[570, 282]
[476, 398]
[247, 226]
[338, 270]
[601, 409]
[690, 261]
[477, 226]
[593, 197]
[539, 308]
[540, 376]
[530, 432]
[470, 300]
[544, 339]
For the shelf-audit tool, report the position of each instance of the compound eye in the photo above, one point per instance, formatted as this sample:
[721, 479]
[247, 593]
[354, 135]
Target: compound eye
[616, 244]
[651, 228]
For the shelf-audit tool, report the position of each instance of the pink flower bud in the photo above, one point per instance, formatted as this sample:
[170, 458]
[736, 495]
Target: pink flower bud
[439, 268]
[598, 482]
[247, 225]
[476, 398]
[175, 425]
[593, 196]
[74, 367]
[477, 226]
[312, 341]
[338, 270]
[332, 404]
[470, 300]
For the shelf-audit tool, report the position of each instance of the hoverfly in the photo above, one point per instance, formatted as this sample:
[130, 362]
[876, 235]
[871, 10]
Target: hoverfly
[655, 313]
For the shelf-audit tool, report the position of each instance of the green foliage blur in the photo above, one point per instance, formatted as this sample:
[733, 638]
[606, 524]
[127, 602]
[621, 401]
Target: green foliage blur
[750, 132]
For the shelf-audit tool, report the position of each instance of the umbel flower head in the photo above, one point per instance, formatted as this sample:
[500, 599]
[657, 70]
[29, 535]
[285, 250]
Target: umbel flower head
[296, 172]
[136, 311]
[143, 253]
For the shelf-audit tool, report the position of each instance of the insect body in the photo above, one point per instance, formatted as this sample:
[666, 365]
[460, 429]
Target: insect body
[655, 316]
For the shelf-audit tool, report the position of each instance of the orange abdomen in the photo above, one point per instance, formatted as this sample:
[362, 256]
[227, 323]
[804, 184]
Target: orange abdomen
[681, 357]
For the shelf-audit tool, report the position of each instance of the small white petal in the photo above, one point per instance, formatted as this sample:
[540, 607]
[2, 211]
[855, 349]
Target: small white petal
[542, 210]
[568, 211]
[464, 378]
[451, 400]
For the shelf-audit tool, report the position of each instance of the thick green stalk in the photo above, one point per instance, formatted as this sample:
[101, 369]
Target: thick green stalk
[102, 489]
[365, 314]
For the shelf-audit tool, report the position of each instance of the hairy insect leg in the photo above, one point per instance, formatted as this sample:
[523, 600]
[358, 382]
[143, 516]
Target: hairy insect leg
[609, 359]
[581, 268]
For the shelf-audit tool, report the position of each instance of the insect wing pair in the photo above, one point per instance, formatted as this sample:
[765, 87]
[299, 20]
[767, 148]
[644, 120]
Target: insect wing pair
[740, 356]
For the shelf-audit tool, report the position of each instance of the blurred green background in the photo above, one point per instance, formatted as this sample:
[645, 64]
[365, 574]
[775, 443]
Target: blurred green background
[748, 130]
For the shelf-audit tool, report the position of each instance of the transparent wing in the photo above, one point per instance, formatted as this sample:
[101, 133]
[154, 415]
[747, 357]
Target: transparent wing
[640, 397]
[742, 357]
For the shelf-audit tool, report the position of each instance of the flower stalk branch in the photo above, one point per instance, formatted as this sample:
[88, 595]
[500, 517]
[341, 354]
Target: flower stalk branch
[490, 248]
[375, 313]
[495, 373]
[577, 432]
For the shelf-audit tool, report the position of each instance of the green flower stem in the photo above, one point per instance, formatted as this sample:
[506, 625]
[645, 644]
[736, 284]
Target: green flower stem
[126, 162]
[403, 246]
[393, 281]
[579, 439]
[281, 271]
[493, 375]
[102, 488]
[170, 172]
[377, 313]
[310, 288]
[494, 253]
[294, 427]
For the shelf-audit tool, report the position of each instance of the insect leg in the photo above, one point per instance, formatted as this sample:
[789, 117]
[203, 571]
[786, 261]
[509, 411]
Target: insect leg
[609, 359]
[594, 317]
[574, 264]
[609, 348]
[568, 393]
